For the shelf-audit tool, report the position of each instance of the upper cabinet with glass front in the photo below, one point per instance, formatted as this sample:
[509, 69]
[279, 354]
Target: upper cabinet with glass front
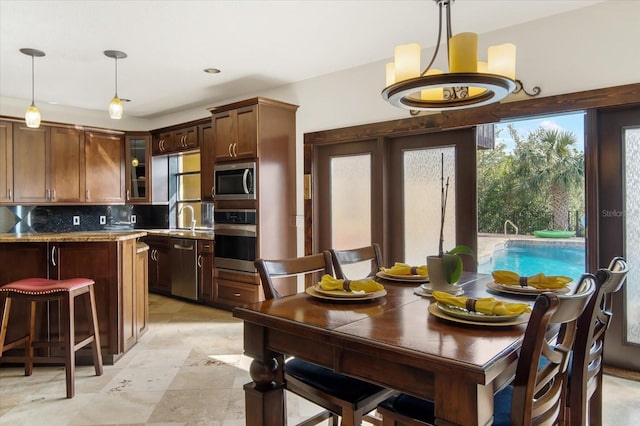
[138, 168]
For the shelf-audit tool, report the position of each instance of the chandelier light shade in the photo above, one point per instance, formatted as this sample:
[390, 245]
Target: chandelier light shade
[469, 82]
[32, 117]
[116, 108]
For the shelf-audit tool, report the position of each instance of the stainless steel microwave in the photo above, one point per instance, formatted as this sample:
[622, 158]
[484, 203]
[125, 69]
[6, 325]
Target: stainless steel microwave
[236, 181]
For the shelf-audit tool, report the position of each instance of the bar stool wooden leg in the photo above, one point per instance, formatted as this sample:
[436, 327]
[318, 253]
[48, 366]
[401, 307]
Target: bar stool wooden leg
[6, 307]
[28, 364]
[92, 314]
[68, 321]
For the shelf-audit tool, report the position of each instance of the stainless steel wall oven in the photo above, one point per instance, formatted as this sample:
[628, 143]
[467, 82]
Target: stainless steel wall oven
[235, 239]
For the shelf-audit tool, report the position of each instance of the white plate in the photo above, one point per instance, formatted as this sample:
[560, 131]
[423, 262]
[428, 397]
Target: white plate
[312, 291]
[522, 319]
[405, 278]
[424, 291]
[526, 291]
[457, 312]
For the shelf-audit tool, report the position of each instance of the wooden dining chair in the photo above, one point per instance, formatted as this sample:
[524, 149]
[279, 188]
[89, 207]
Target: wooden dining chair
[340, 395]
[370, 253]
[585, 383]
[537, 394]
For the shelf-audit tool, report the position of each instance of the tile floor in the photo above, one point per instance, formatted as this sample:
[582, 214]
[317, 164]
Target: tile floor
[186, 370]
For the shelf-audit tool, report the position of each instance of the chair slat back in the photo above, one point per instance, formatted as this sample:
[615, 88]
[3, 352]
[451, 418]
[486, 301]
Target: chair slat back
[269, 270]
[370, 253]
[587, 360]
[539, 393]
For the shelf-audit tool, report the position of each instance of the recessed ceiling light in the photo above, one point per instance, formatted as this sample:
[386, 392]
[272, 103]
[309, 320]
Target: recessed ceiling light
[211, 70]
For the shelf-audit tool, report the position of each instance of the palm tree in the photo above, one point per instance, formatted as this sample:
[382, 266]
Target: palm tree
[549, 160]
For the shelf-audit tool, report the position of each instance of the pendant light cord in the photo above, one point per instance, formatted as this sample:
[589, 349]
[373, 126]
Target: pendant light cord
[33, 103]
[116, 77]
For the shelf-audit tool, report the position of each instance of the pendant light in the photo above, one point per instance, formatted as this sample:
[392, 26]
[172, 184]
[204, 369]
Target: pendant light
[116, 109]
[32, 117]
[469, 83]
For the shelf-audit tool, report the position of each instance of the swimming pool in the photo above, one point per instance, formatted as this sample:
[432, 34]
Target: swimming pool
[526, 258]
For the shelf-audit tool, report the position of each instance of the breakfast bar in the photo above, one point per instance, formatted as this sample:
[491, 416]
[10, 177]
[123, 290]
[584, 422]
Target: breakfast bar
[392, 341]
[108, 258]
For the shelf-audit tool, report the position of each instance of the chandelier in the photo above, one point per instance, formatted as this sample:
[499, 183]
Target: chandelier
[469, 82]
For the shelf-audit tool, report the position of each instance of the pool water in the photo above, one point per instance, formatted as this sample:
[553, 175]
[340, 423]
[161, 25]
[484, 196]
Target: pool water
[532, 259]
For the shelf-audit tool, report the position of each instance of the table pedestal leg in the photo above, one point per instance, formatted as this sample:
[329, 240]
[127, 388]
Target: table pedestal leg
[265, 403]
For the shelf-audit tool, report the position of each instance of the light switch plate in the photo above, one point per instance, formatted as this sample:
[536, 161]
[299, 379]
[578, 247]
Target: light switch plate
[103, 220]
[133, 218]
[76, 220]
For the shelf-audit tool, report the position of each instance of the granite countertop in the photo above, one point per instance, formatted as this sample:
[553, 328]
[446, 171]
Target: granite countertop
[72, 236]
[182, 233]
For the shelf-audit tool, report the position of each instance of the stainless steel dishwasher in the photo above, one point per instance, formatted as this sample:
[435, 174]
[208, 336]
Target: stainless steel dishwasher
[184, 268]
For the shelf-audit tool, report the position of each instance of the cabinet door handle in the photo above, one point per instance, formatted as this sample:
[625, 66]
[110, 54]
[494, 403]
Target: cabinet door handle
[229, 149]
[53, 256]
[128, 195]
[199, 261]
[47, 194]
[236, 294]
[161, 145]
[235, 149]
[10, 193]
[53, 194]
[87, 194]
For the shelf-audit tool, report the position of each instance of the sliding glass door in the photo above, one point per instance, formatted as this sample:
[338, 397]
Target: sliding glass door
[619, 226]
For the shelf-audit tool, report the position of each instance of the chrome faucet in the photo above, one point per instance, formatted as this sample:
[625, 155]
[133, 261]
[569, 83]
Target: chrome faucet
[193, 219]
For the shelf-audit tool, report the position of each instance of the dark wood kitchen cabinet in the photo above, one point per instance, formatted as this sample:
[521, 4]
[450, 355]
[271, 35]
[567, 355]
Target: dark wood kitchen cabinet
[206, 283]
[111, 264]
[162, 143]
[6, 162]
[262, 130]
[66, 165]
[235, 133]
[186, 139]
[207, 161]
[178, 138]
[138, 168]
[159, 264]
[104, 163]
[48, 164]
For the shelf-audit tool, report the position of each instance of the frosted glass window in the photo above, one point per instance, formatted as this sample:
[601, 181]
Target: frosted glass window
[632, 231]
[422, 171]
[351, 207]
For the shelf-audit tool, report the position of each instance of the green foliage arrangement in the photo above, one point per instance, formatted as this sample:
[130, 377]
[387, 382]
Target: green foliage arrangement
[535, 185]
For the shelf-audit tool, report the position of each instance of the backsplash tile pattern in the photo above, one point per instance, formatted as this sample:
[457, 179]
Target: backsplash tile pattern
[31, 219]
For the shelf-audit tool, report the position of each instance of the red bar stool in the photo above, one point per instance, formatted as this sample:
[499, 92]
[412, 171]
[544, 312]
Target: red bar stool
[36, 290]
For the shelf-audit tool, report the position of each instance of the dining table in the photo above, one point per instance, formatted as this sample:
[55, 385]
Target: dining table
[393, 341]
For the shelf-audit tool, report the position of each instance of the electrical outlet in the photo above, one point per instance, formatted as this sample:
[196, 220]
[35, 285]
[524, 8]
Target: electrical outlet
[133, 218]
[76, 220]
[103, 220]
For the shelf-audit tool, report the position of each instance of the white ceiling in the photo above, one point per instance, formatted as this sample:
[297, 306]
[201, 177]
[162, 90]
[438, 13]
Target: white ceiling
[258, 45]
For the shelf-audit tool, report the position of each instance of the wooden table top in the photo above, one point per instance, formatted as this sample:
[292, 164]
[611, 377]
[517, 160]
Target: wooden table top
[398, 322]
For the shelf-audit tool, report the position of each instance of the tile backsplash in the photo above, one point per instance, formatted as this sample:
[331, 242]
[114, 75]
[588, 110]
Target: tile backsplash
[48, 218]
